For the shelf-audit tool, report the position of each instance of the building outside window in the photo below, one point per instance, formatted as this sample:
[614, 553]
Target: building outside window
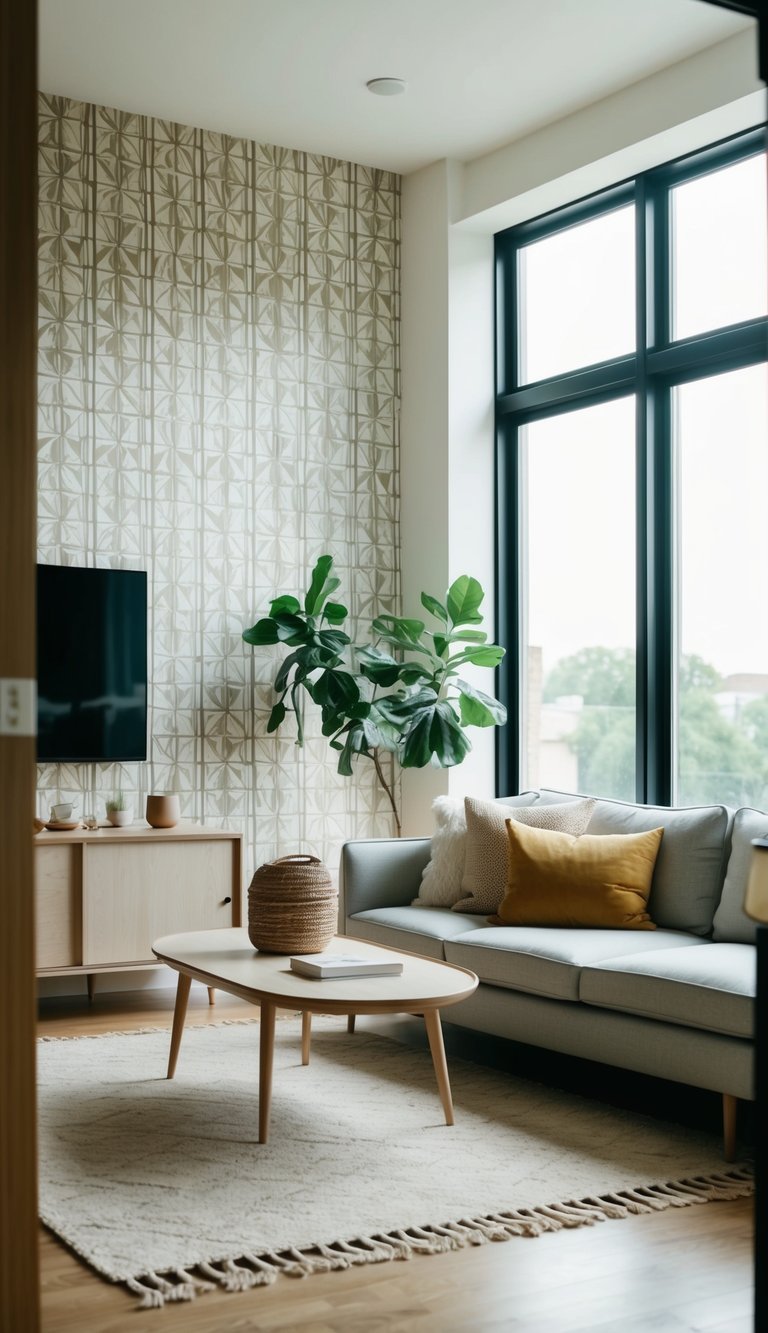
[632, 412]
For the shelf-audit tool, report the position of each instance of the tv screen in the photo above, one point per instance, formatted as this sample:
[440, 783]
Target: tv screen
[91, 664]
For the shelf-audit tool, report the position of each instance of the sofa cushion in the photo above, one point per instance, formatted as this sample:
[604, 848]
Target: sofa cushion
[441, 878]
[416, 929]
[689, 868]
[546, 960]
[731, 921]
[556, 879]
[711, 988]
[487, 848]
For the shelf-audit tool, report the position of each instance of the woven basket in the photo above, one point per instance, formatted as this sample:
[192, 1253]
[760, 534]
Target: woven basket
[292, 906]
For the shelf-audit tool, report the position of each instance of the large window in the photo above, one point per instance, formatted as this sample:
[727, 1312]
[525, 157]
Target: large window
[632, 416]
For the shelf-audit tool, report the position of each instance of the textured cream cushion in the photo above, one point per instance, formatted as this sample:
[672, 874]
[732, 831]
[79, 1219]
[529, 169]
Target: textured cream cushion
[442, 875]
[486, 861]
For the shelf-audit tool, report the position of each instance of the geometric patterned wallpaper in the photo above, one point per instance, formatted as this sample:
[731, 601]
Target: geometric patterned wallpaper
[218, 388]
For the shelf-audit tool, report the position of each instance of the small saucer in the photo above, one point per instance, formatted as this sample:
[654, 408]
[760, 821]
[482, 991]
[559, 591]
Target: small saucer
[62, 826]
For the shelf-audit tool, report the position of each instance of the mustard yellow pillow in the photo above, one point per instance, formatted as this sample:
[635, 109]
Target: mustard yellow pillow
[556, 879]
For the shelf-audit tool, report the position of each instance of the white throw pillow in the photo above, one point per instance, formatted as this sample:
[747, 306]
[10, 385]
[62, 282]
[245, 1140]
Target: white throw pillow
[486, 855]
[442, 875]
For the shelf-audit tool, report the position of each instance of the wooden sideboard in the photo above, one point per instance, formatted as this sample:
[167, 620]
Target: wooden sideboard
[102, 897]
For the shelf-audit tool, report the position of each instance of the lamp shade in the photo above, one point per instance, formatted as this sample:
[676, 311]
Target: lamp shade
[756, 896]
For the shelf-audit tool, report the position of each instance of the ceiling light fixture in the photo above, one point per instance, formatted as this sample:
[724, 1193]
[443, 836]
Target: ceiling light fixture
[386, 87]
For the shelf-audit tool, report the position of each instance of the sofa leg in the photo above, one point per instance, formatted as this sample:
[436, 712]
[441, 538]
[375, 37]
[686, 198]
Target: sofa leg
[730, 1105]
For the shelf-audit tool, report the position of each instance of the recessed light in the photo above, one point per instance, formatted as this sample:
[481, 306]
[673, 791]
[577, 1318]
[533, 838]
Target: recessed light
[386, 87]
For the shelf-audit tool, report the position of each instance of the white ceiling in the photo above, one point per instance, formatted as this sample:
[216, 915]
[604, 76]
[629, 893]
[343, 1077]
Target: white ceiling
[293, 72]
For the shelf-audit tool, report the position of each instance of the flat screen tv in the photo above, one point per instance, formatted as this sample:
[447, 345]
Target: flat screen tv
[91, 664]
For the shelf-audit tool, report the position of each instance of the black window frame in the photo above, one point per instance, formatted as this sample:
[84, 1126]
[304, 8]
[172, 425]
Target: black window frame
[651, 373]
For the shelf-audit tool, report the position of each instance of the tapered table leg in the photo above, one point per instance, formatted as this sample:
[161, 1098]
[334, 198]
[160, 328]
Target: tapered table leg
[350, 1022]
[266, 1054]
[211, 995]
[179, 1014]
[306, 1036]
[435, 1035]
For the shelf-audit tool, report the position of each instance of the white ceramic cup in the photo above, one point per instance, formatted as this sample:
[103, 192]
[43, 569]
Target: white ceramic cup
[62, 812]
[120, 818]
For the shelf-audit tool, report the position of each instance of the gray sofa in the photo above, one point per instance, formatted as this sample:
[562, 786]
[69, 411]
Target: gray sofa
[676, 1002]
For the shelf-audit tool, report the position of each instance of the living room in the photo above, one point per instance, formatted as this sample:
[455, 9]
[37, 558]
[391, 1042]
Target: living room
[251, 356]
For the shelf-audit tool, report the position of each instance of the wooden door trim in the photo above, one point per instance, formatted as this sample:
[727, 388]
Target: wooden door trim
[19, 1282]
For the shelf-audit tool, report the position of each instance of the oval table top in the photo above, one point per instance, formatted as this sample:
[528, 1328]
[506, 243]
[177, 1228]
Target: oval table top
[226, 959]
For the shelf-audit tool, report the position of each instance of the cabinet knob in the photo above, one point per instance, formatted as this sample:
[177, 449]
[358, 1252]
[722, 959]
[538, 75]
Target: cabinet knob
[224, 901]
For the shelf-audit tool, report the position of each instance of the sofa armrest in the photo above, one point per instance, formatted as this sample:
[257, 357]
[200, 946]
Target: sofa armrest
[380, 872]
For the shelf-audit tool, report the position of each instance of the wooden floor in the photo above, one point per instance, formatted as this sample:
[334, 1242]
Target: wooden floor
[685, 1269]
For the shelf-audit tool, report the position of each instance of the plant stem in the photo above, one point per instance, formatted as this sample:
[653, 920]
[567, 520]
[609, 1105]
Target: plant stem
[387, 788]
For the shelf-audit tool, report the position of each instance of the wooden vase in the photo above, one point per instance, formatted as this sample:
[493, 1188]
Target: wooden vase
[163, 811]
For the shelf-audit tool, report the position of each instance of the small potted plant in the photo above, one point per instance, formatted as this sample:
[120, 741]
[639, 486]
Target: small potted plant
[119, 810]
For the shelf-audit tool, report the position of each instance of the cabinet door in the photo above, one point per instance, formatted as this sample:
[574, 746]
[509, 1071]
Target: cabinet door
[57, 906]
[134, 893]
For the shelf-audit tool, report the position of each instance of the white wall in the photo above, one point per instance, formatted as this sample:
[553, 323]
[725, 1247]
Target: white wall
[446, 515]
[450, 211]
[684, 107]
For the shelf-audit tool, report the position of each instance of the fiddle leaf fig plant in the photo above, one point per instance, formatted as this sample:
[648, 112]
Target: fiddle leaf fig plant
[402, 694]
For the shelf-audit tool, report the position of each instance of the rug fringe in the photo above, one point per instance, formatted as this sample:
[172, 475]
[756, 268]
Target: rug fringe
[146, 1032]
[254, 1270]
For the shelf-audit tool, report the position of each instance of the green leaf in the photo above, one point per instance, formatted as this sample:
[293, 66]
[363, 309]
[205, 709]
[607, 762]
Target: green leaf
[478, 709]
[399, 708]
[404, 631]
[276, 717]
[335, 612]
[377, 666]
[417, 750]
[441, 642]
[263, 632]
[292, 629]
[298, 710]
[321, 587]
[359, 712]
[305, 659]
[281, 679]
[484, 655]
[337, 690]
[411, 673]
[447, 741]
[335, 640]
[286, 603]
[434, 607]
[355, 743]
[333, 721]
[464, 598]
[469, 636]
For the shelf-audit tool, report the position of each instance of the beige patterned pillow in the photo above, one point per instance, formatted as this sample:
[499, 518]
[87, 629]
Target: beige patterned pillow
[486, 858]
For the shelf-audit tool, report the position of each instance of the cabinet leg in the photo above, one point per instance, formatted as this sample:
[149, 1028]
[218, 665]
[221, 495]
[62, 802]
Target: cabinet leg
[211, 994]
[306, 1036]
[350, 1022]
[179, 1014]
[730, 1105]
[90, 981]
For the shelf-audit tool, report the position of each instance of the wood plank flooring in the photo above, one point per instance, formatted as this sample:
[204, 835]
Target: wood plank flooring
[685, 1270]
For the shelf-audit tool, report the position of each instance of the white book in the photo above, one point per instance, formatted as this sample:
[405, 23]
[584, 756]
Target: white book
[322, 965]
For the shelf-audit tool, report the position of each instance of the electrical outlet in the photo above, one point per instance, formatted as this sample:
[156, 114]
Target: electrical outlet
[18, 707]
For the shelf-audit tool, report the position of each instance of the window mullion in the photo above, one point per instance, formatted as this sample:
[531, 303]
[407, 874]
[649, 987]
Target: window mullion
[655, 501]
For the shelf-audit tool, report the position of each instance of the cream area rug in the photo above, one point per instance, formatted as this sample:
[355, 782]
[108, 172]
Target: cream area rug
[163, 1185]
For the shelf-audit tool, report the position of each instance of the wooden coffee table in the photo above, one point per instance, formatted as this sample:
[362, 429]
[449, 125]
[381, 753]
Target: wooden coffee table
[227, 960]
